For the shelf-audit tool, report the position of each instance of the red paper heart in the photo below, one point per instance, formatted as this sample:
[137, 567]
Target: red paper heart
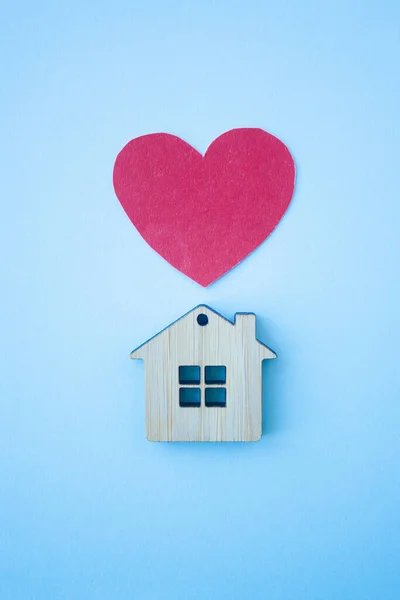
[205, 214]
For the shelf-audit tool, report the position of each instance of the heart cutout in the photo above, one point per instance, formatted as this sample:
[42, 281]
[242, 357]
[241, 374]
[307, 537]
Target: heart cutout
[205, 214]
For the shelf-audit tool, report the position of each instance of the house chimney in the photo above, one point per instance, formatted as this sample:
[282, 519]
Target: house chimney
[246, 323]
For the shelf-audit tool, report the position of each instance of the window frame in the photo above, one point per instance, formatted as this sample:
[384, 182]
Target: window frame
[202, 384]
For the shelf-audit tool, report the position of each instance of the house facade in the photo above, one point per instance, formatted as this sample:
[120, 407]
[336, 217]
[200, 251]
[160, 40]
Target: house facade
[203, 379]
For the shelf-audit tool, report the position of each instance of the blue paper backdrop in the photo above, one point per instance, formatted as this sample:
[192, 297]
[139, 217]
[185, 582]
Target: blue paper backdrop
[88, 508]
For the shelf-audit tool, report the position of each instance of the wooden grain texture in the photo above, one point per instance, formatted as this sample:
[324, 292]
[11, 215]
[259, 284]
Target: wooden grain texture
[220, 342]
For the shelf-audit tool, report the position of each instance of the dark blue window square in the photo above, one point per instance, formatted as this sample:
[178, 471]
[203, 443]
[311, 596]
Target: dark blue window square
[215, 375]
[189, 397]
[189, 375]
[215, 397]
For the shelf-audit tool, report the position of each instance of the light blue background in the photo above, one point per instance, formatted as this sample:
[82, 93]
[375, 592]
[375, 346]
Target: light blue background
[88, 508]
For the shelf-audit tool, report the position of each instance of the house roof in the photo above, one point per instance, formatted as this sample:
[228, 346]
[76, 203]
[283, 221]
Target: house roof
[233, 323]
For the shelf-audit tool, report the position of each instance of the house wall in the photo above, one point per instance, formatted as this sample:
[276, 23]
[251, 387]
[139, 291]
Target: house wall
[217, 343]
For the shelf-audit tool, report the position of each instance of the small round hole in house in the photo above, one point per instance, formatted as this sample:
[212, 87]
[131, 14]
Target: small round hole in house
[202, 319]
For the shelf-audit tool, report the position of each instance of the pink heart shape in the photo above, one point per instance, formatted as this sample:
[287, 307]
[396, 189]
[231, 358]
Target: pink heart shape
[205, 214]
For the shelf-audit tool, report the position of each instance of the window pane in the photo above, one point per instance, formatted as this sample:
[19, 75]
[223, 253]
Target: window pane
[189, 397]
[215, 396]
[189, 375]
[216, 374]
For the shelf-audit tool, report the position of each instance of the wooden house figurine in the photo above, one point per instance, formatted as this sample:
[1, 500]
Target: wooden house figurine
[203, 379]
